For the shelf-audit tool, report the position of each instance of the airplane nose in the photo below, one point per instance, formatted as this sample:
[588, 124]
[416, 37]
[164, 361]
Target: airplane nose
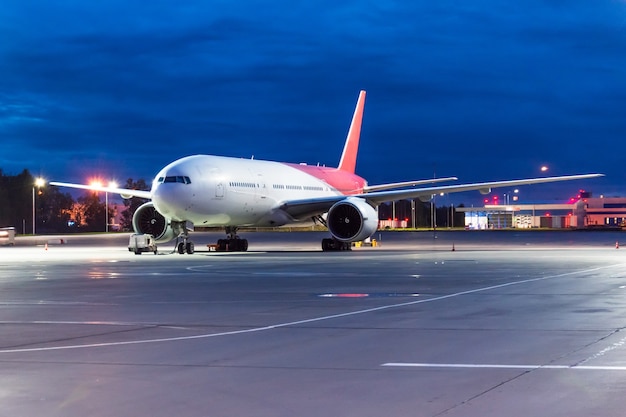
[162, 199]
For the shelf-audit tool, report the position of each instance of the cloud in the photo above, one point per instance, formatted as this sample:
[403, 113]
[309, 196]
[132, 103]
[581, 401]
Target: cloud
[448, 82]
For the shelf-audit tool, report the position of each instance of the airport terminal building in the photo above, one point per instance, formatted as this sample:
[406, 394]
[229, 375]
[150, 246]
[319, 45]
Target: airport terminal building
[590, 212]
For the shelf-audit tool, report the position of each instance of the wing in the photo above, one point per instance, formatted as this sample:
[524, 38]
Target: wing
[483, 187]
[306, 208]
[372, 188]
[124, 192]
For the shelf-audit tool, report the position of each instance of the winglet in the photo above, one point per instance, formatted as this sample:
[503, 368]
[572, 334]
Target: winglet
[350, 149]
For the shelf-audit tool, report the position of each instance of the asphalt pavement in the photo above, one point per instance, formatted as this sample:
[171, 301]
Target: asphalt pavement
[507, 323]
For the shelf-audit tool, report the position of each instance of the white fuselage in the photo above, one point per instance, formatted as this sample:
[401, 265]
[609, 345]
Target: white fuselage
[219, 191]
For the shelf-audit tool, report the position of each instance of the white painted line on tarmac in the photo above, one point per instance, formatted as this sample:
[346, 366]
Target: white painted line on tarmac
[311, 320]
[501, 366]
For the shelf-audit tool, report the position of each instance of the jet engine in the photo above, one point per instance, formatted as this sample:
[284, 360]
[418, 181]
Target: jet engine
[351, 220]
[147, 220]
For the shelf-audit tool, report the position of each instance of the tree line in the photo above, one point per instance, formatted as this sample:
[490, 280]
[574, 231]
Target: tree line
[56, 211]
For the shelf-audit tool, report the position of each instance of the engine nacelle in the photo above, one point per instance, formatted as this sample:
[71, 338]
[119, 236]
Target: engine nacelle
[147, 220]
[352, 220]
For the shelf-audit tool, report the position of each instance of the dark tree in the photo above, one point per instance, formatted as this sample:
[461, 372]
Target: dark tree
[422, 213]
[91, 213]
[132, 204]
[16, 200]
[54, 210]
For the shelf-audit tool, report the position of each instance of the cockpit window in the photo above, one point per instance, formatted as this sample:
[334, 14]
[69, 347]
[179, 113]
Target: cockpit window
[180, 179]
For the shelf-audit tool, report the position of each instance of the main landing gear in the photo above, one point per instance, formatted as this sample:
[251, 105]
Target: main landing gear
[329, 245]
[233, 243]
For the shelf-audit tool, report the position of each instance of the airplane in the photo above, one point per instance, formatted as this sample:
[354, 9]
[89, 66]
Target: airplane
[218, 191]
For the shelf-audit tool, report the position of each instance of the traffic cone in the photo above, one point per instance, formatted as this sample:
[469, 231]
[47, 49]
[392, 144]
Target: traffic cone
[616, 244]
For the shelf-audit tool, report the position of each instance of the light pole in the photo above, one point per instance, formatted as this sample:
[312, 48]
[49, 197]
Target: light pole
[106, 212]
[39, 182]
[507, 196]
[112, 184]
[98, 184]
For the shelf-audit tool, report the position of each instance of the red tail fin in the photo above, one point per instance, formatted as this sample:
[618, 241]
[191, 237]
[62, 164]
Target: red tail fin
[350, 149]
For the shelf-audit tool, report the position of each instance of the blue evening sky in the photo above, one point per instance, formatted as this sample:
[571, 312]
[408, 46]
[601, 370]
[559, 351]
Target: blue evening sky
[482, 90]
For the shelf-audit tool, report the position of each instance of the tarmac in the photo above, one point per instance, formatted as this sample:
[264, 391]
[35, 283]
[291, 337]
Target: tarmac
[507, 323]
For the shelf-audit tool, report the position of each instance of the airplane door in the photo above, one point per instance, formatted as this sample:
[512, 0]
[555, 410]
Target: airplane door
[219, 190]
[217, 183]
[261, 200]
[261, 187]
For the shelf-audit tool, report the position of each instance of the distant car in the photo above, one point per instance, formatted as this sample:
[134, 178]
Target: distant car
[7, 236]
[140, 243]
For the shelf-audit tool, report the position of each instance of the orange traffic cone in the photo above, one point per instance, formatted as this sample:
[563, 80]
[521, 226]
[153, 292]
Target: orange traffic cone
[616, 245]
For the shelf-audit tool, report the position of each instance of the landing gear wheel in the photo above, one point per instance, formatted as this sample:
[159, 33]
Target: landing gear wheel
[232, 245]
[335, 245]
[238, 245]
[181, 248]
[189, 247]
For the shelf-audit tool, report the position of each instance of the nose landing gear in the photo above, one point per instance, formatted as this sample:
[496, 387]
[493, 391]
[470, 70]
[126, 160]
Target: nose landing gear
[186, 246]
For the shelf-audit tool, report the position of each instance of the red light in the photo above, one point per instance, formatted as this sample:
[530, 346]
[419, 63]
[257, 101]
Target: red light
[547, 214]
[486, 200]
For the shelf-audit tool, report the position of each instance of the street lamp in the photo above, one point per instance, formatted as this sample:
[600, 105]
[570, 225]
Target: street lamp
[39, 182]
[98, 184]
